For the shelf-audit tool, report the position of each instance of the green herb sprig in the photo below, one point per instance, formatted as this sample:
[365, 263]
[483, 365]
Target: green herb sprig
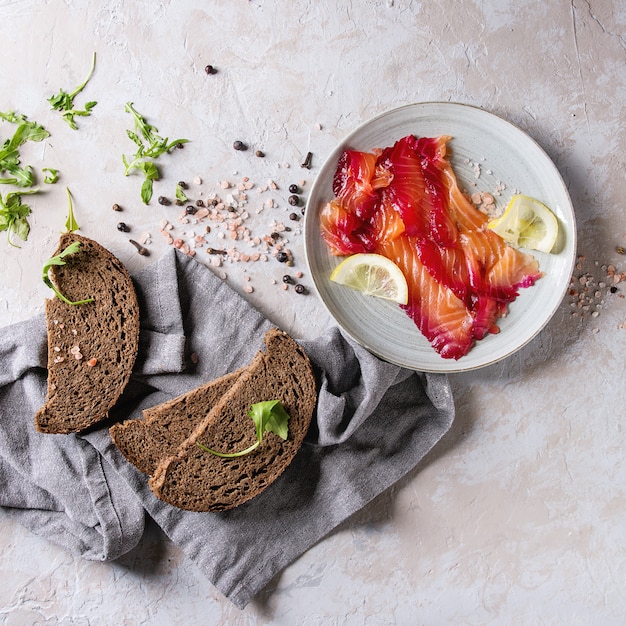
[150, 146]
[14, 214]
[64, 101]
[59, 259]
[268, 416]
[51, 177]
[26, 130]
[180, 193]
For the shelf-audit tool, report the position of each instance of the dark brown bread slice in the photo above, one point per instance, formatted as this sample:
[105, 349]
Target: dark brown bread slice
[196, 480]
[103, 334]
[157, 435]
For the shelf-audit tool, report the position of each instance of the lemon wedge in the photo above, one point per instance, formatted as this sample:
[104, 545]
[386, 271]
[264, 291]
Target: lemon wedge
[372, 275]
[527, 223]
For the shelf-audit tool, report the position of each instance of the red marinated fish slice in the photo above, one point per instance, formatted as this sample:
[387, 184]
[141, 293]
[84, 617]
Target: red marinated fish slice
[357, 182]
[342, 230]
[439, 314]
[405, 191]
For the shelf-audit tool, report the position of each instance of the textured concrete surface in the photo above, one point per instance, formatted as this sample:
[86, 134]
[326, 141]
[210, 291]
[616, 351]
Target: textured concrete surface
[518, 516]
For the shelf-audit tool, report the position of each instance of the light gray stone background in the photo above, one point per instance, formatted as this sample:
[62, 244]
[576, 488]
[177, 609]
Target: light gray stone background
[518, 516]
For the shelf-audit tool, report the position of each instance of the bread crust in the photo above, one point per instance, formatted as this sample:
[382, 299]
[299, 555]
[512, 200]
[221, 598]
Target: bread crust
[145, 441]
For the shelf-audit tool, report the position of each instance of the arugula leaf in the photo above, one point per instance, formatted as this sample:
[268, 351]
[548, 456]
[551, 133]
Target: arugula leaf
[59, 260]
[64, 101]
[14, 214]
[9, 151]
[150, 146]
[268, 416]
[70, 224]
[180, 194]
[52, 177]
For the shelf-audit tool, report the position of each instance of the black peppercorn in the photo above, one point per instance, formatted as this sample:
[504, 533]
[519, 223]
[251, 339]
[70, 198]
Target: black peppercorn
[123, 227]
[199, 203]
[240, 145]
[182, 184]
[282, 257]
[260, 153]
[287, 279]
[294, 200]
[191, 210]
[117, 207]
[209, 69]
[613, 289]
[294, 217]
[294, 189]
[164, 201]
[299, 288]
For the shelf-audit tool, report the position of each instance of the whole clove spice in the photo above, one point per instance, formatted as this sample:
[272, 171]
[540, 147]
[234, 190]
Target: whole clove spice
[140, 249]
[307, 161]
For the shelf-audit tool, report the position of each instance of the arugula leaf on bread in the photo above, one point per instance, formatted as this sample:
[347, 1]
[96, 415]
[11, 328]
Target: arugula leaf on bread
[70, 225]
[268, 416]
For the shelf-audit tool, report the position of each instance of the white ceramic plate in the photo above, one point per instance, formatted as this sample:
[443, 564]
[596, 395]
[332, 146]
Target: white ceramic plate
[504, 154]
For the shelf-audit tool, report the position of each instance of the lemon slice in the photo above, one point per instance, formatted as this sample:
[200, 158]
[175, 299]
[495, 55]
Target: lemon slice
[372, 275]
[527, 223]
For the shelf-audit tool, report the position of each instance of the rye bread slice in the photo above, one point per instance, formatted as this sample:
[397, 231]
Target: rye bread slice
[144, 442]
[91, 347]
[197, 480]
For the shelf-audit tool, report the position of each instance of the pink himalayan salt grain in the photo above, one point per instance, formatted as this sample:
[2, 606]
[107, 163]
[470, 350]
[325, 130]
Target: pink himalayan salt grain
[92, 362]
[248, 288]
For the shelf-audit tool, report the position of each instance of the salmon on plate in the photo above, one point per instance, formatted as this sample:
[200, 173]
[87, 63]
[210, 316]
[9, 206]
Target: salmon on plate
[404, 202]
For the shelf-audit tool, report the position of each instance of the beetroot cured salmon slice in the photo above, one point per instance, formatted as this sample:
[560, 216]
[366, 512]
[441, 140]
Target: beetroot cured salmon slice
[404, 202]
[439, 314]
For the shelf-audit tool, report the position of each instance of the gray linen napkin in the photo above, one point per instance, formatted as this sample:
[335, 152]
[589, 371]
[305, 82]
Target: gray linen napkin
[374, 422]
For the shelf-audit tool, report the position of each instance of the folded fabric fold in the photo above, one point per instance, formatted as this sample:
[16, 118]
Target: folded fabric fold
[374, 422]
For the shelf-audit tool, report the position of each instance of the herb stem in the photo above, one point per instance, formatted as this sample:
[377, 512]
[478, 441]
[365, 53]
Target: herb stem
[230, 455]
[84, 84]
